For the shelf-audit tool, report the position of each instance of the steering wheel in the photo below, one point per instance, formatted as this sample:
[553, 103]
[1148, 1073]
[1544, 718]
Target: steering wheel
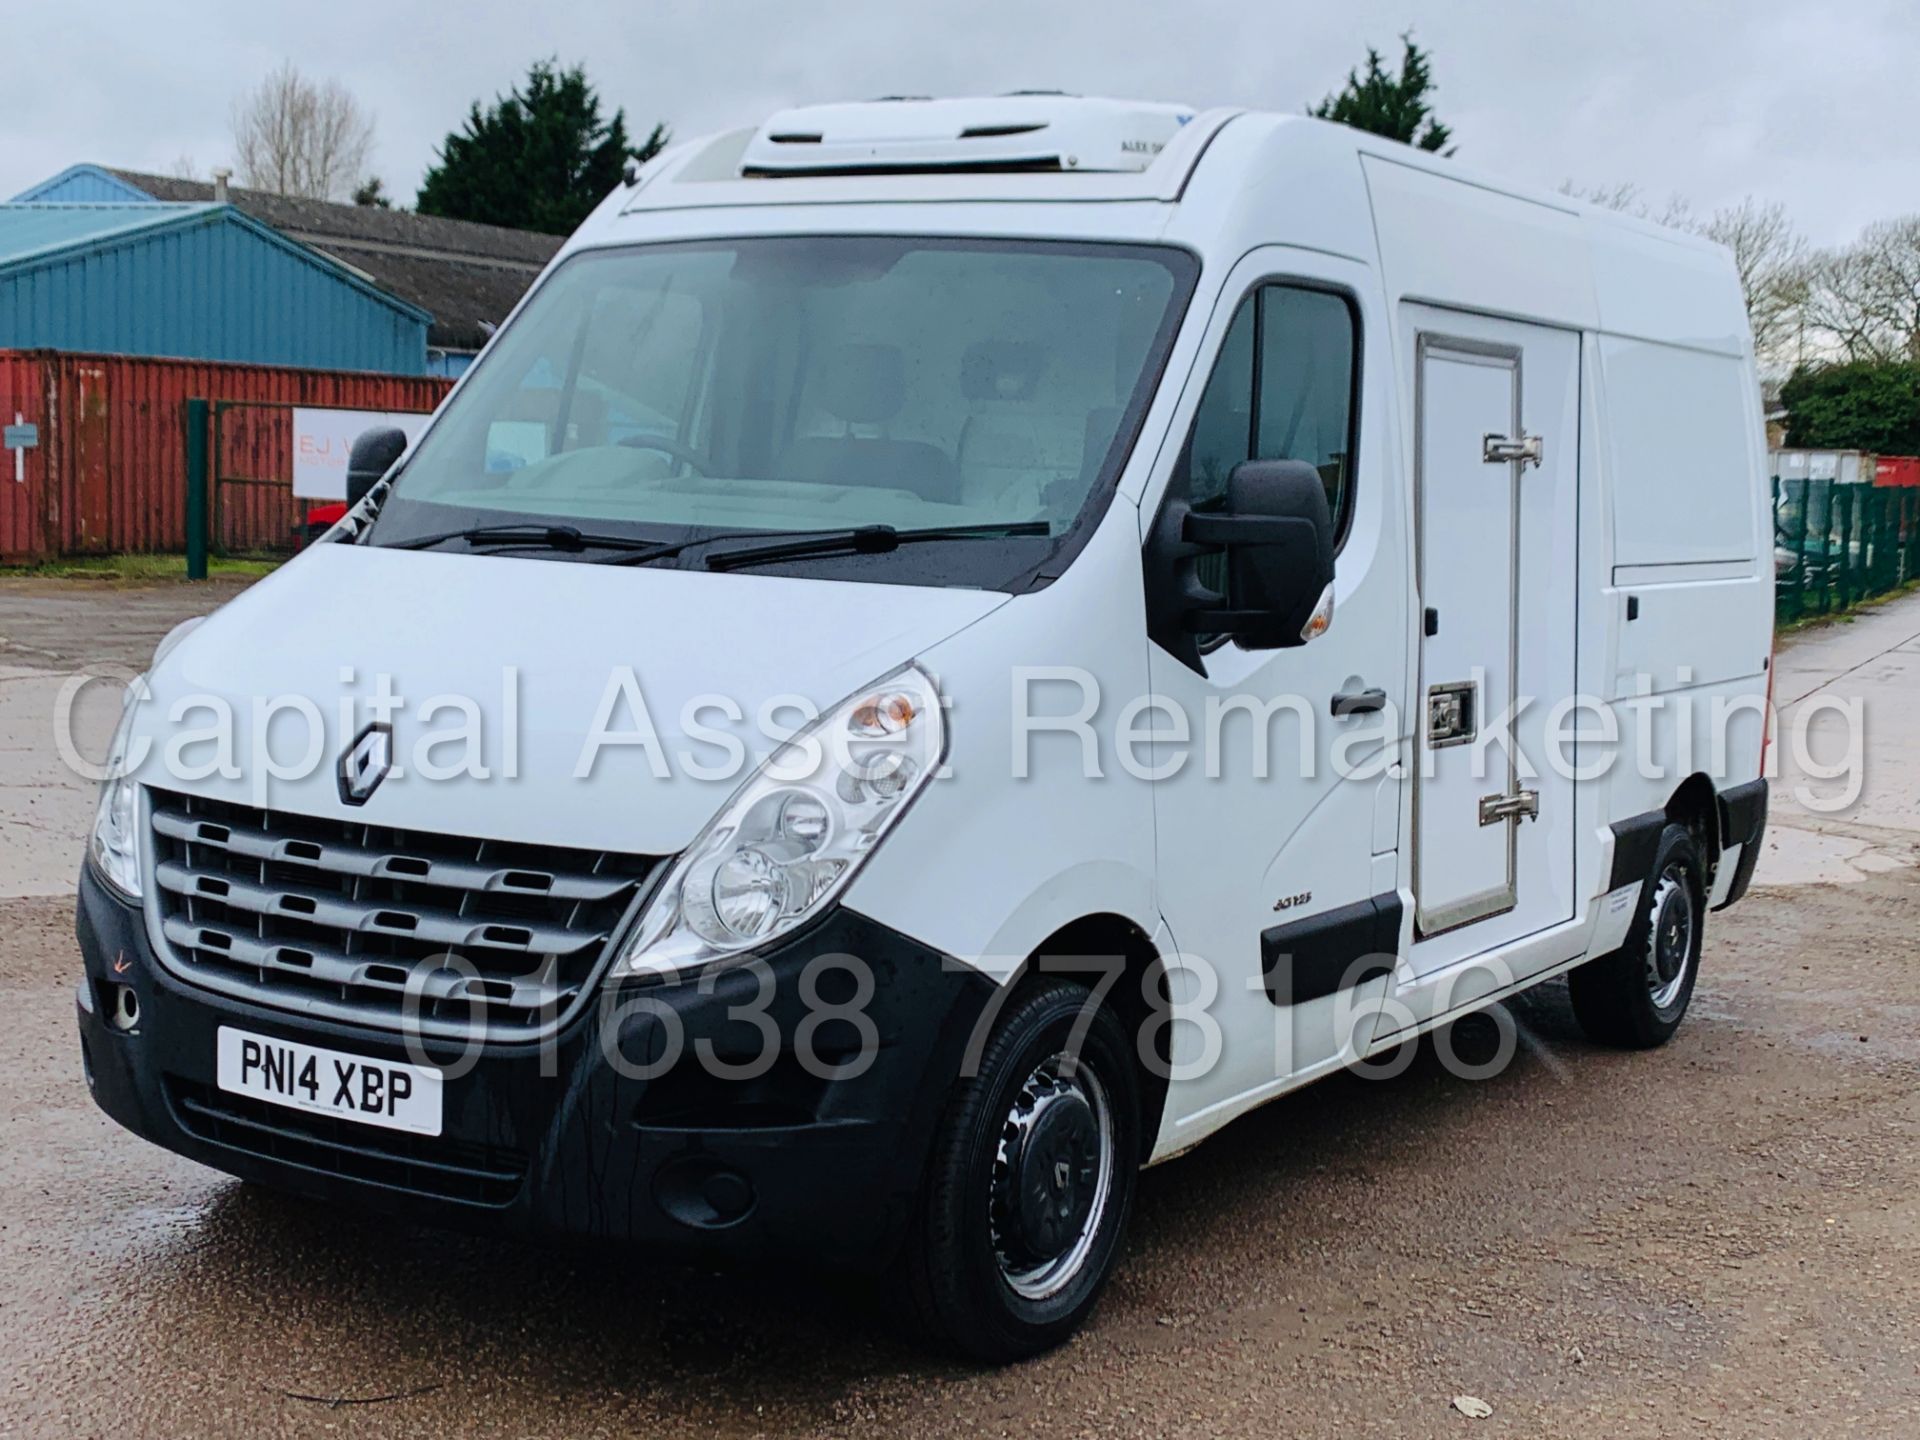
[672, 449]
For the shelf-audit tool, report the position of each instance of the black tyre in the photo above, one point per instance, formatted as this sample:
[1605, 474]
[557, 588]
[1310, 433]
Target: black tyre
[1636, 997]
[1030, 1182]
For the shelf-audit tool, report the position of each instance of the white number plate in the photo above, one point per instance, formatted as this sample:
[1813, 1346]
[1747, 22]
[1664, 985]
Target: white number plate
[327, 1082]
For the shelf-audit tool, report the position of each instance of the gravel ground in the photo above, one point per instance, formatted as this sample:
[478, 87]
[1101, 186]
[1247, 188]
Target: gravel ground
[1719, 1238]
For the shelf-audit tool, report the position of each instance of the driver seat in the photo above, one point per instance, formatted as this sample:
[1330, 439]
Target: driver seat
[866, 385]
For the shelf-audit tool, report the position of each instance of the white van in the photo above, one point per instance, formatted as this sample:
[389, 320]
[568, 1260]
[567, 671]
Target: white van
[947, 650]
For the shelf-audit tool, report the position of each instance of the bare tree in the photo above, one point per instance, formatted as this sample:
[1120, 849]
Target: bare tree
[1629, 199]
[1771, 259]
[295, 136]
[1769, 254]
[1864, 300]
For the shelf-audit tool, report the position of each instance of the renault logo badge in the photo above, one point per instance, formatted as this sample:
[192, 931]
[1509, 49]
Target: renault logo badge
[366, 763]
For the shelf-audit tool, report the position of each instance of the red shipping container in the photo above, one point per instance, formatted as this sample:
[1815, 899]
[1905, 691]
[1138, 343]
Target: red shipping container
[109, 472]
[1897, 470]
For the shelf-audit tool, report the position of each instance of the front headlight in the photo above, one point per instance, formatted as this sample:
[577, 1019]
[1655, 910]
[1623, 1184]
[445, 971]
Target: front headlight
[792, 837]
[115, 846]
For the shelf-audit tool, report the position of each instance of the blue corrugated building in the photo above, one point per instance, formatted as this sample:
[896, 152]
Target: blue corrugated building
[199, 281]
[84, 185]
[466, 276]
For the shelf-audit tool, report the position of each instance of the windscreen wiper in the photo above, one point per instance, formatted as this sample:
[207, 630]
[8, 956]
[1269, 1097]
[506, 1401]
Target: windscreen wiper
[866, 540]
[790, 544]
[664, 550]
[533, 537]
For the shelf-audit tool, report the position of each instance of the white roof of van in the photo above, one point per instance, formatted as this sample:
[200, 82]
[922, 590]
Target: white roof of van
[1218, 181]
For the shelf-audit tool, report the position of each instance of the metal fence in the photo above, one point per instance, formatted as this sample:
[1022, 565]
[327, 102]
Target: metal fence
[109, 471]
[1835, 545]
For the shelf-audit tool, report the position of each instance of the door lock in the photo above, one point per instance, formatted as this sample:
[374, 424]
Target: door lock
[1498, 449]
[1450, 714]
[1521, 805]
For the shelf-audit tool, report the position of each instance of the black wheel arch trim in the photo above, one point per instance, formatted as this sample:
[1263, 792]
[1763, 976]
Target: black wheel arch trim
[1742, 816]
[1743, 812]
[1743, 822]
[1634, 841]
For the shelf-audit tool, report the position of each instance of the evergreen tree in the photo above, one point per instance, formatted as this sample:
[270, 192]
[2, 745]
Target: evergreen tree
[1855, 406]
[539, 158]
[1395, 107]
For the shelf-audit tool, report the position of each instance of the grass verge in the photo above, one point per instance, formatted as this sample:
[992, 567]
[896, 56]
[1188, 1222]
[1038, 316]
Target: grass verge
[1843, 617]
[136, 569]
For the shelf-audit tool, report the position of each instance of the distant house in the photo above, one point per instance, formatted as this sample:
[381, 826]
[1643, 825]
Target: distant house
[196, 281]
[466, 277]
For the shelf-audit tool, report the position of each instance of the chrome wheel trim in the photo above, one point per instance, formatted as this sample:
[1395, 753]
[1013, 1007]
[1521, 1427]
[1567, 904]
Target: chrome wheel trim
[1060, 1078]
[1672, 924]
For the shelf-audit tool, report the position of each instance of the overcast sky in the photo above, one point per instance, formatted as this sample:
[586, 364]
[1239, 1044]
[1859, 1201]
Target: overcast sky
[1807, 103]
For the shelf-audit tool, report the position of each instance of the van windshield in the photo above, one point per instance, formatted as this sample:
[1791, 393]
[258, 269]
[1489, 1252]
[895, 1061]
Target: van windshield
[808, 384]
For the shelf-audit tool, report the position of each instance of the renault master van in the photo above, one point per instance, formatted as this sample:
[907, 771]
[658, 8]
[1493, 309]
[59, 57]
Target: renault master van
[948, 650]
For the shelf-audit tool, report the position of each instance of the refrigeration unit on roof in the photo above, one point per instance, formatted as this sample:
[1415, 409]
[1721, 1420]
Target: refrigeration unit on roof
[1037, 132]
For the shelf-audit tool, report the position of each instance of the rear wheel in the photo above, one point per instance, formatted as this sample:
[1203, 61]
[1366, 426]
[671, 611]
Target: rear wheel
[1031, 1181]
[1636, 997]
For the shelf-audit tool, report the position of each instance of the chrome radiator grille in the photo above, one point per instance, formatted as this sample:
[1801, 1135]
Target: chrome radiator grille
[391, 928]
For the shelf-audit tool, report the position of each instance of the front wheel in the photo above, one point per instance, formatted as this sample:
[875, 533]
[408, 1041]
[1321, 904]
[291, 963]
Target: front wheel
[1031, 1181]
[1636, 997]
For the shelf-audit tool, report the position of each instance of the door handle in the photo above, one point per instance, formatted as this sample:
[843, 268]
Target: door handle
[1366, 702]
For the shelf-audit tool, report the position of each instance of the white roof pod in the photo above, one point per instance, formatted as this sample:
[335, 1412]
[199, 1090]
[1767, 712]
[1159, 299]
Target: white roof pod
[1022, 131]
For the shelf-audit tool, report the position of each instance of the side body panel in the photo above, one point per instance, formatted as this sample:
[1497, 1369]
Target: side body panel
[1037, 824]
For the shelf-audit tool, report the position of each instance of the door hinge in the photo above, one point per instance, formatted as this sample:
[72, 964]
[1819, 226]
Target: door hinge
[1522, 805]
[1527, 449]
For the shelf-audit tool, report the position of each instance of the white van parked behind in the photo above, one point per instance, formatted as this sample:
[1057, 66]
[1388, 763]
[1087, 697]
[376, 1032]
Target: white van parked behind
[947, 650]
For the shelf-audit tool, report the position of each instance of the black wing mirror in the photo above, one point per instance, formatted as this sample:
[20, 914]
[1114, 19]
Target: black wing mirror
[1277, 533]
[373, 454]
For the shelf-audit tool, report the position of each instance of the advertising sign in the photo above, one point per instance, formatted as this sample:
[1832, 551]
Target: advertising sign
[322, 439]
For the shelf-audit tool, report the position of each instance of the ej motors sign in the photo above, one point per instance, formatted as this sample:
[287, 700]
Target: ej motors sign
[322, 440]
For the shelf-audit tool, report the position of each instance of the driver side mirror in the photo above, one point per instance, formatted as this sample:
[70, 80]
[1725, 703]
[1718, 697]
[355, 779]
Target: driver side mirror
[373, 454]
[1277, 532]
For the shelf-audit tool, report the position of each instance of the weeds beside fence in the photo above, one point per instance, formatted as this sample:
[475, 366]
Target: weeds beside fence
[1836, 545]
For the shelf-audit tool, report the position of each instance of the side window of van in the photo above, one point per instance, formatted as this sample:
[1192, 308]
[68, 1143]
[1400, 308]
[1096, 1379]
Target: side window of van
[1282, 389]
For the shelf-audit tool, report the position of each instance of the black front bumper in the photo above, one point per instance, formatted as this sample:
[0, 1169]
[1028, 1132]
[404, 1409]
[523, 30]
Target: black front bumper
[562, 1140]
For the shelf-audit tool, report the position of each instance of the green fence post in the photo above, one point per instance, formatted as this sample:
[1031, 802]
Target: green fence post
[1863, 504]
[1882, 575]
[1842, 496]
[1861, 514]
[1910, 532]
[1857, 517]
[1889, 539]
[196, 489]
[1897, 540]
[1823, 537]
[1875, 523]
[1799, 552]
[1902, 535]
